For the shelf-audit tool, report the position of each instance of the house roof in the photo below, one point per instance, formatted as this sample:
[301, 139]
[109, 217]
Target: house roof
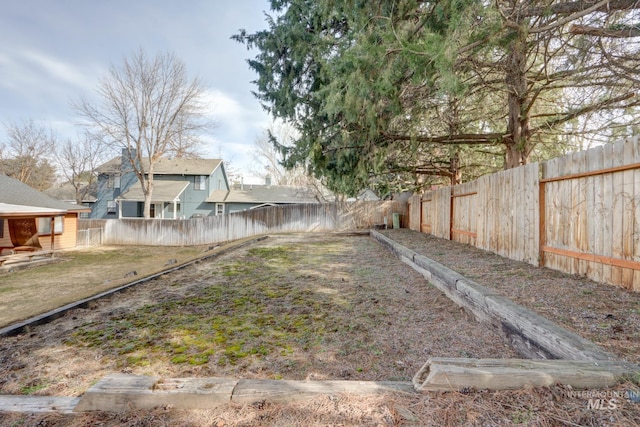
[14, 192]
[217, 196]
[163, 191]
[67, 193]
[167, 166]
[10, 210]
[269, 194]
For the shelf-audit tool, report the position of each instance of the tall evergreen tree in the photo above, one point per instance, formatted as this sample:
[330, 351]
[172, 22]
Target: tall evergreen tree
[385, 92]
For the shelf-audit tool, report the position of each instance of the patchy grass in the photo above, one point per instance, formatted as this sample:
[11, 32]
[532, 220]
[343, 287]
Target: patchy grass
[257, 314]
[79, 274]
[294, 307]
[291, 307]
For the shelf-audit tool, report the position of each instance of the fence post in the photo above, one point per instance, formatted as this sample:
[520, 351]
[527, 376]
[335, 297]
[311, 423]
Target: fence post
[451, 213]
[542, 224]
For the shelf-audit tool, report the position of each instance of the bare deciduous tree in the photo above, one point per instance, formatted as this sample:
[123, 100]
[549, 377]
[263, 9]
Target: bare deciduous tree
[268, 161]
[78, 161]
[26, 153]
[149, 107]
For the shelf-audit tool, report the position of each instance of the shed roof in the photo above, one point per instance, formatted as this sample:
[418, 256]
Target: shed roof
[14, 192]
[8, 210]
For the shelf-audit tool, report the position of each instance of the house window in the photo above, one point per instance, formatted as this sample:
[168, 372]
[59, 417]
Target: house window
[219, 208]
[113, 181]
[201, 182]
[44, 225]
[111, 206]
[219, 184]
[1, 228]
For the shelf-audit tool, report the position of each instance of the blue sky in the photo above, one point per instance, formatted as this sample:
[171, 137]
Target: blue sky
[54, 52]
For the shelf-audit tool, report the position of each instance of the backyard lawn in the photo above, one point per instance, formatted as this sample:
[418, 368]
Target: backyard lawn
[299, 306]
[82, 273]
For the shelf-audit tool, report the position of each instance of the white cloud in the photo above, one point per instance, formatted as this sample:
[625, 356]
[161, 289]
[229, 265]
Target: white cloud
[57, 69]
[238, 123]
[32, 71]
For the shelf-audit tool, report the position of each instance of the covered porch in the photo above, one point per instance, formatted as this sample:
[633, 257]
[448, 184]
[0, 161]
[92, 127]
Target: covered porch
[165, 200]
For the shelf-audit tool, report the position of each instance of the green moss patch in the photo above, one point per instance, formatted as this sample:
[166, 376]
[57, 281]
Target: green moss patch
[262, 304]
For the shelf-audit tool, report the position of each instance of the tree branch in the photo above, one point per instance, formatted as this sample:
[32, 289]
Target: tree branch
[605, 32]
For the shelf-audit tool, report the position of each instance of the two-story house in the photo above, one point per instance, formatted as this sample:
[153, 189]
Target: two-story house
[183, 188]
[180, 188]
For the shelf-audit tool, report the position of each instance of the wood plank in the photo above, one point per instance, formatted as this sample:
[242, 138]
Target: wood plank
[628, 216]
[517, 208]
[597, 213]
[38, 404]
[577, 213]
[565, 263]
[552, 212]
[636, 210]
[121, 392]
[615, 262]
[586, 193]
[617, 213]
[481, 213]
[608, 192]
[538, 337]
[287, 391]
[533, 201]
[595, 172]
[454, 374]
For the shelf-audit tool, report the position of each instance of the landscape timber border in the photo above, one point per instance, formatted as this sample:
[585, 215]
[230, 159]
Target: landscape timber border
[531, 334]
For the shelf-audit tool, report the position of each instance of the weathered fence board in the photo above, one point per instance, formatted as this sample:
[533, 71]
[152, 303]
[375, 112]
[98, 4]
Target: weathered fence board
[579, 213]
[415, 209]
[592, 213]
[464, 221]
[275, 219]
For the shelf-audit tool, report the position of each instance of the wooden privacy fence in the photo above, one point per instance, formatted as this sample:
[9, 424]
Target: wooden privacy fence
[579, 213]
[221, 228]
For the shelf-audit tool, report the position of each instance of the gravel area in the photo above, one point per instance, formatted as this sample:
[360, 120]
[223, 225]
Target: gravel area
[607, 315]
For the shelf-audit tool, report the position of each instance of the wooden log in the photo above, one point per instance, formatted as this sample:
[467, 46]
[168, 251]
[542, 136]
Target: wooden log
[537, 337]
[284, 391]
[121, 393]
[532, 335]
[453, 374]
[38, 404]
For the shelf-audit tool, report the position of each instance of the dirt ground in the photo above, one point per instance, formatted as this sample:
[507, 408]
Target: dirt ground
[299, 307]
[607, 315]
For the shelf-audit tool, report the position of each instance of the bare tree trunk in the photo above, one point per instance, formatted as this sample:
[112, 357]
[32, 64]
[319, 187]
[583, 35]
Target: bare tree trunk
[146, 213]
[518, 119]
[454, 168]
